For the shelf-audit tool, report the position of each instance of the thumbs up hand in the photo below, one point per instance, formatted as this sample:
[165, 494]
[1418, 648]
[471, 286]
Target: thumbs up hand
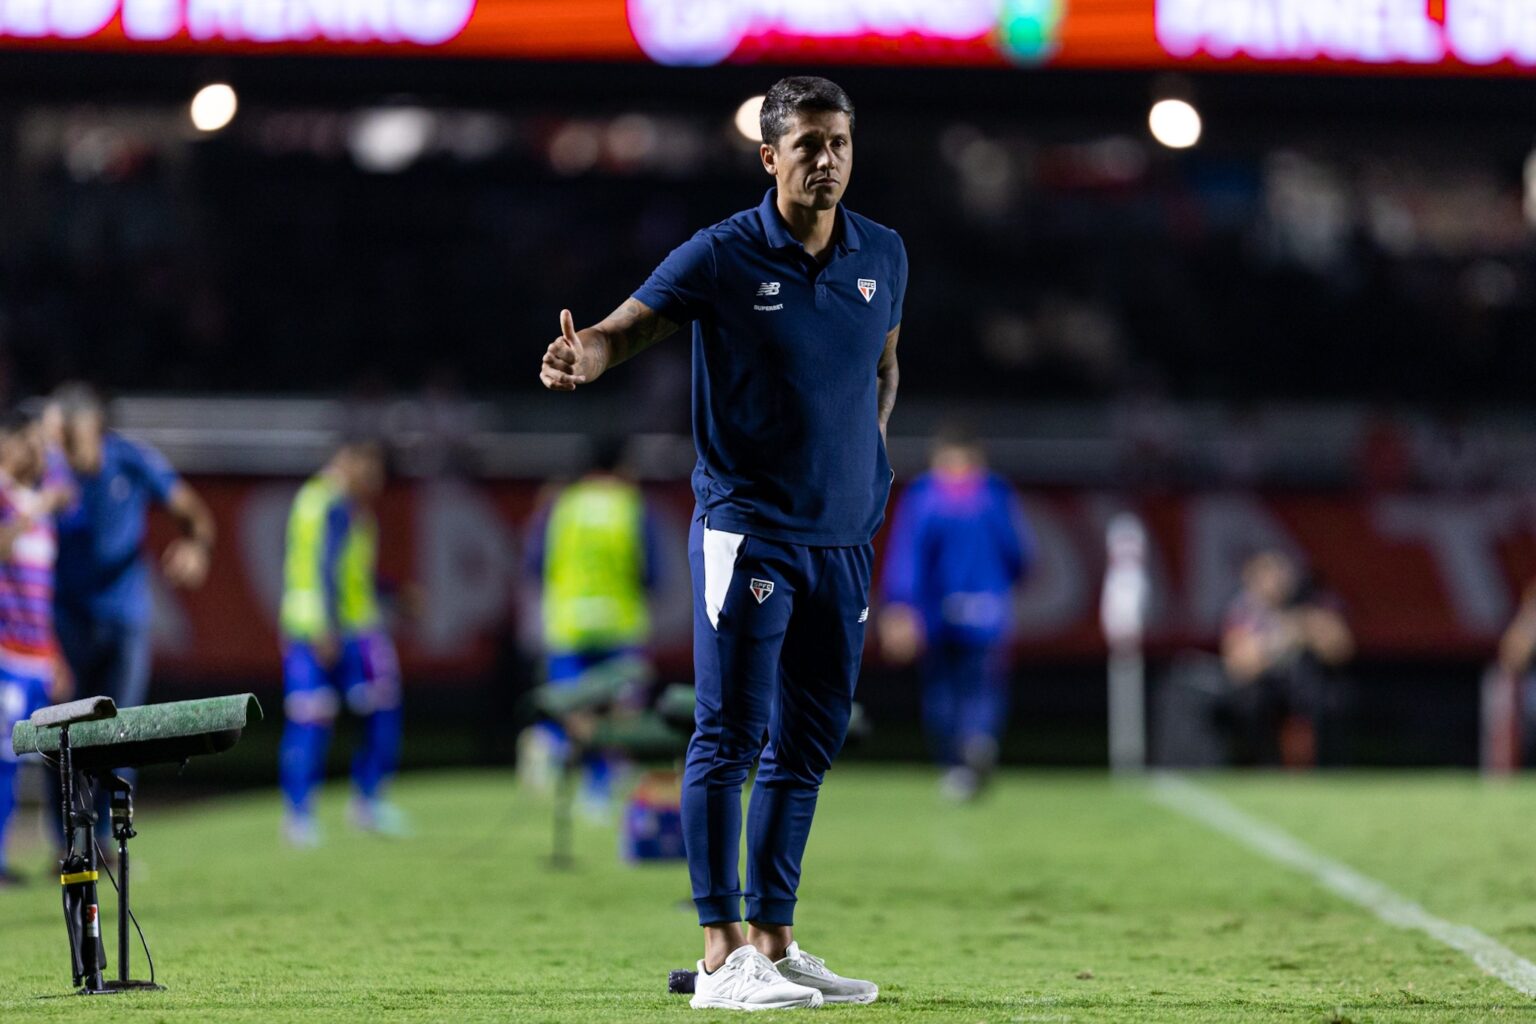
[568, 361]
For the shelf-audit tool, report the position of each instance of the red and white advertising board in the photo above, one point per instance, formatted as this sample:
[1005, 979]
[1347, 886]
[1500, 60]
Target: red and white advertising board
[1419, 575]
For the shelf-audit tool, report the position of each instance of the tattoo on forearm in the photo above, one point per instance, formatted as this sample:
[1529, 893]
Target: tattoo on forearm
[631, 329]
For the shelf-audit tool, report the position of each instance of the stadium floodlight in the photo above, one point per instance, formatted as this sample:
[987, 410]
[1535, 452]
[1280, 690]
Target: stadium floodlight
[1175, 123]
[95, 738]
[213, 107]
[387, 140]
[746, 119]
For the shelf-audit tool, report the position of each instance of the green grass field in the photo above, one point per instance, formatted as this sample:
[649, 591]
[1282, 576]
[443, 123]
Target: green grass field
[1061, 897]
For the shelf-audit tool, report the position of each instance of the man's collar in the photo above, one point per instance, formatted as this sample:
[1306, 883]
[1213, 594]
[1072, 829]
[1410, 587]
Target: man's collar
[774, 228]
[848, 233]
[845, 236]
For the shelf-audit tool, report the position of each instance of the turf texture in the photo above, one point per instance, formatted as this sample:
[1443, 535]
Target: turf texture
[1058, 897]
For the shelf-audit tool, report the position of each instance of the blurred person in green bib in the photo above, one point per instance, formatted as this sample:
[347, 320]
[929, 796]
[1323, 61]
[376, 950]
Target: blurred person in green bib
[335, 645]
[593, 548]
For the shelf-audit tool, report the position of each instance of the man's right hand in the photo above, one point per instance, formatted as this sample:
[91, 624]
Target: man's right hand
[568, 361]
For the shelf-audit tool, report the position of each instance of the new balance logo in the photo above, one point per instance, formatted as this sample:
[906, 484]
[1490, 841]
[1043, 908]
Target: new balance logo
[768, 288]
[864, 615]
[761, 589]
[867, 288]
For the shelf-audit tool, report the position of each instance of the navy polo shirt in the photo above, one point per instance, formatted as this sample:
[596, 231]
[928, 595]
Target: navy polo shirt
[785, 352]
[101, 571]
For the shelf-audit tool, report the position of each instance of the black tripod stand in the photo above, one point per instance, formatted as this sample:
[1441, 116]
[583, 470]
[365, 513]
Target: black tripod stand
[105, 739]
[79, 872]
[122, 830]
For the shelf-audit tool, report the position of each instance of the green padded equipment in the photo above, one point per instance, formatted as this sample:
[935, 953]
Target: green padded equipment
[594, 689]
[152, 734]
[646, 736]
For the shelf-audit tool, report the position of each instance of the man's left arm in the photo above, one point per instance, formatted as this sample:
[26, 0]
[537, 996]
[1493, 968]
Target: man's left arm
[186, 558]
[888, 375]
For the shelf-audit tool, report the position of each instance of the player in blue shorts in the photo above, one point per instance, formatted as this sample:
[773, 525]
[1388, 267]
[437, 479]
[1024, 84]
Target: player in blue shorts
[335, 646]
[796, 308]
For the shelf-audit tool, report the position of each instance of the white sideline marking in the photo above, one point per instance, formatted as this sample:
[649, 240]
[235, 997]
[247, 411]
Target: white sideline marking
[1209, 809]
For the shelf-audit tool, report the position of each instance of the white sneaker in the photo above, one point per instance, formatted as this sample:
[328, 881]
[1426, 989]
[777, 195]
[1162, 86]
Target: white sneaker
[960, 784]
[748, 981]
[536, 755]
[300, 831]
[802, 968]
[379, 817]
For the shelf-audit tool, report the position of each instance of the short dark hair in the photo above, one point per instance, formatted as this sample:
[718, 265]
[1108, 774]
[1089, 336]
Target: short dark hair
[608, 452]
[797, 93]
[365, 444]
[957, 433]
[77, 398]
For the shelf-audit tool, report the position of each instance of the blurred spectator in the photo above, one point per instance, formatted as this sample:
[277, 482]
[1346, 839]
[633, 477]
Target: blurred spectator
[958, 546]
[1280, 647]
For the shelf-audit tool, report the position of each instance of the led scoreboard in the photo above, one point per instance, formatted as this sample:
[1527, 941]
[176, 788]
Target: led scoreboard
[1361, 36]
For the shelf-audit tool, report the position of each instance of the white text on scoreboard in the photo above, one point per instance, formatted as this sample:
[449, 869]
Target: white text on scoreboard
[421, 22]
[1478, 32]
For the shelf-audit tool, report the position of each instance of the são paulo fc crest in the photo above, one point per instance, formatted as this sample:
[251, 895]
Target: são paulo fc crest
[761, 589]
[867, 288]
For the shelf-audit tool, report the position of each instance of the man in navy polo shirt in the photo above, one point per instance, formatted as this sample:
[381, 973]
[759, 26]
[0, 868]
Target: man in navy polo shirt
[102, 595]
[796, 308]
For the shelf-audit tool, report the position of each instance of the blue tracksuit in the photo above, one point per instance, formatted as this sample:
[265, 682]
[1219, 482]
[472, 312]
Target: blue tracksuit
[790, 484]
[958, 545]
